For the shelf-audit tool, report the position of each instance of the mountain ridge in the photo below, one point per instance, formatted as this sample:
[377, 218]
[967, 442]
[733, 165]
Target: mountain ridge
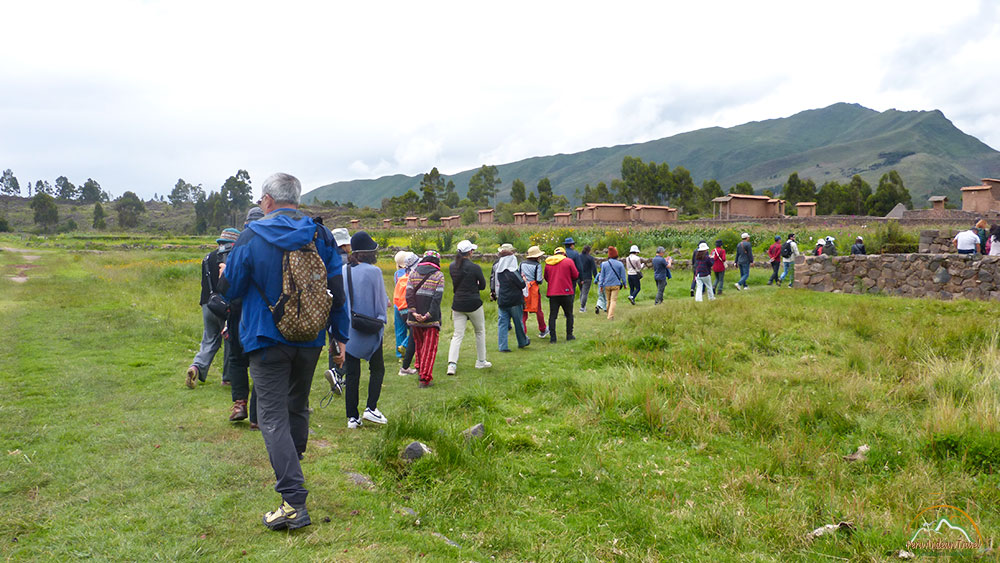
[826, 144]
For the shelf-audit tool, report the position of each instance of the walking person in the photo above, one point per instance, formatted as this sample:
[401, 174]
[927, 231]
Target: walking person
[282, 369]
[634, 266]
[560, 276]
[719, 266]
[238, 363]
[703, 262]
[611, 280]
[858, 248]
[744, 257]
[467, 306]
[399, 300]
[424, 291]
[694, 275]
[774, 258]
[602, 301]
[399, 278]
[570, 245]
[510, 302]
[211, 337]
[531, 270]
[367, 300]
[661, 272]
[789, 252]
[587, 268]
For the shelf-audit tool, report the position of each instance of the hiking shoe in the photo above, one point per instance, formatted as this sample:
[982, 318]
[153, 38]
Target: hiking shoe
[631, 299]
[543, 334]
[287, 517]
[375, 416]
[570, 337]
[738, 288]
[597, 310]
[401, 350]
[452, 368]
[335, 381]
[407, 371]
[254, 426]
[583, 310]
[226, 383]
[191, 377]
[526, 345]
[239, 411]
[483, 364]
[353, 423]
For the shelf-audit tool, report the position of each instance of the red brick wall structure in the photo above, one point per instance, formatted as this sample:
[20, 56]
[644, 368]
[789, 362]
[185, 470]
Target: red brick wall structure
[562, 218]
[935, 276]
[652, 214]
[485, 216]
[605, 213]
[735, 206]
[982, 199]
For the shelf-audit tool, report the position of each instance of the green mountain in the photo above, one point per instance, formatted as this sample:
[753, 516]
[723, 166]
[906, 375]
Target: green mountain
[932, 155]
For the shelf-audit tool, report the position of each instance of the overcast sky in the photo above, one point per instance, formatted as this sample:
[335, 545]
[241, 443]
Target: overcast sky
[137, 94]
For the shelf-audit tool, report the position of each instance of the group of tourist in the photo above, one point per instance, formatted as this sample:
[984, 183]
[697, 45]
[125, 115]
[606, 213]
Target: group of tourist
[980, 239]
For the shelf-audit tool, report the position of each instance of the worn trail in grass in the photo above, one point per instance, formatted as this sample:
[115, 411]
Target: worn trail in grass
[698, 431]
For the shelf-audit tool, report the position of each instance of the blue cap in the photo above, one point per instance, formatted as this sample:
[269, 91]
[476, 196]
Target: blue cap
[569, 240]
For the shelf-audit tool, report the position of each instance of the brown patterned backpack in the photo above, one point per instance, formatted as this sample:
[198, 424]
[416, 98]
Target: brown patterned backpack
[303, 309]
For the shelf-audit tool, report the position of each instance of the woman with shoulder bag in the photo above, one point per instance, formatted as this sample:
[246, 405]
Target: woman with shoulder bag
[633, 267]
[368, 305]
[467, 306]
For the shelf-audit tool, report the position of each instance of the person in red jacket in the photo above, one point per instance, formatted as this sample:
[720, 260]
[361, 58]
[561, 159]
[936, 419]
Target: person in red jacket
[560, 277]
[774, 255]
[719, 266]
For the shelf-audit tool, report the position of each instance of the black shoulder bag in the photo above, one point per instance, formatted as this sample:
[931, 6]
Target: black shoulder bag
[361, 323]
[217, 304]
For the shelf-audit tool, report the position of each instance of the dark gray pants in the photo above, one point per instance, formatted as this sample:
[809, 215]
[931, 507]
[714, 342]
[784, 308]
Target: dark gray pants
[660, 286]
[282, 377]
[585, 291]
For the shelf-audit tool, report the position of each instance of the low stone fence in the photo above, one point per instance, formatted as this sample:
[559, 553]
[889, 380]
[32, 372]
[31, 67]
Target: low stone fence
[936, 242]
[939, 276]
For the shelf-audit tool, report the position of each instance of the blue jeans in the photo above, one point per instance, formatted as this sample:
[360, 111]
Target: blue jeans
[507, 316]
[744, 274]
[788, 271]
[402, 331]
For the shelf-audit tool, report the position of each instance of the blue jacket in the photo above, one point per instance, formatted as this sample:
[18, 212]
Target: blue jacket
[254, 265]
[659, 268]
[612, 273]
[369, 298]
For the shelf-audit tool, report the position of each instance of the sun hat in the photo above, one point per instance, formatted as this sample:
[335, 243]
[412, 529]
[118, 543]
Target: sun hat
[633, 249]
[861, 239]
[745, 235]
[400, 258]
[228, 235]
[362, 242]
[410, 260]
[703, 246]
[535, 252]
[830, 239]
[569, 241]
[466, 246]
[341, 237]
[506, 247]
[560, 250]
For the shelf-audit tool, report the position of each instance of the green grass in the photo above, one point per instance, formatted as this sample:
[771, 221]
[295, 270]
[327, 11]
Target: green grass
[708, 431]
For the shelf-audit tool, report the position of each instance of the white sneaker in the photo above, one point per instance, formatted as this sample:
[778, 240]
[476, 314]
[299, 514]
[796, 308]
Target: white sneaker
[452, 368]
[374, 416]
[738, 288]
[353, 423]
[483, 364]
[583, 310]
[336, 385]
[404, 371]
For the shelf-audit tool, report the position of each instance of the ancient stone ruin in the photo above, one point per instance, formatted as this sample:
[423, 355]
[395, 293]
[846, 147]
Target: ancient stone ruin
[938, 276]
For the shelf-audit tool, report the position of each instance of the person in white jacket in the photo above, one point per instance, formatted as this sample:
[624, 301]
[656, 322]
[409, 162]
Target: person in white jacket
[791, 249]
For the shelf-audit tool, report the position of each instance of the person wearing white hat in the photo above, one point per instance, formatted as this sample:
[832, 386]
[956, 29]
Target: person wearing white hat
[744, 257]
[531, 271]
[633, 267]
[467, 306]
[858, 247]
[703, 273]
[829, 248]
[820, 243]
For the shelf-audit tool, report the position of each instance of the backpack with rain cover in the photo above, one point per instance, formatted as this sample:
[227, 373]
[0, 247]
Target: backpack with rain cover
[303, 309]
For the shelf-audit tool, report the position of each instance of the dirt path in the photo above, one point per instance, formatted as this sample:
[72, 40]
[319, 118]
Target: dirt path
[22, 269]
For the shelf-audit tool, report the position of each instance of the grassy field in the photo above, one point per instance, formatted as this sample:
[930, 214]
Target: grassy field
[686, 431]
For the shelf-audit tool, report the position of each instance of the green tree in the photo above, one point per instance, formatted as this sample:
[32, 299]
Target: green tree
[65, 189]
[431, 187]
[745, 188]
[796, 190]
[9, 185]
[236, 193]
[46, 212]
[450, 195]
[889, 193]
[183, 192]
[710, 189]
[129, 207]
[401, 205]
[857, 196]
[518, 191]
[684, 191]
[830, 198]
[483, 185]
[91, 192]
[43, 187]
[99, 222]
[544, 189]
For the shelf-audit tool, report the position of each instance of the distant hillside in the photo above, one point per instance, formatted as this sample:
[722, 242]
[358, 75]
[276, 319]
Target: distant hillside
[834, 143]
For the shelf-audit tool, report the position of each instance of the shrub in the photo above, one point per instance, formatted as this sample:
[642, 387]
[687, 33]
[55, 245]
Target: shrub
[4, 225]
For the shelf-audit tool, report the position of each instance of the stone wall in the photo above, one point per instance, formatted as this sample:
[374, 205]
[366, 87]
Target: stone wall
[939, 276]
[936, 242]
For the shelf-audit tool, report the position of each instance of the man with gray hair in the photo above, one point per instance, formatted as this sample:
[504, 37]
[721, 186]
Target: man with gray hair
[282, 370]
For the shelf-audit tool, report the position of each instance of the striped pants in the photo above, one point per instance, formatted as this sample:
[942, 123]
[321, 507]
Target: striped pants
[425, 340]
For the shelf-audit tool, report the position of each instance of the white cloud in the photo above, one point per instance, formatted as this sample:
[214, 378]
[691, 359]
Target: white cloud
[138, 93]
